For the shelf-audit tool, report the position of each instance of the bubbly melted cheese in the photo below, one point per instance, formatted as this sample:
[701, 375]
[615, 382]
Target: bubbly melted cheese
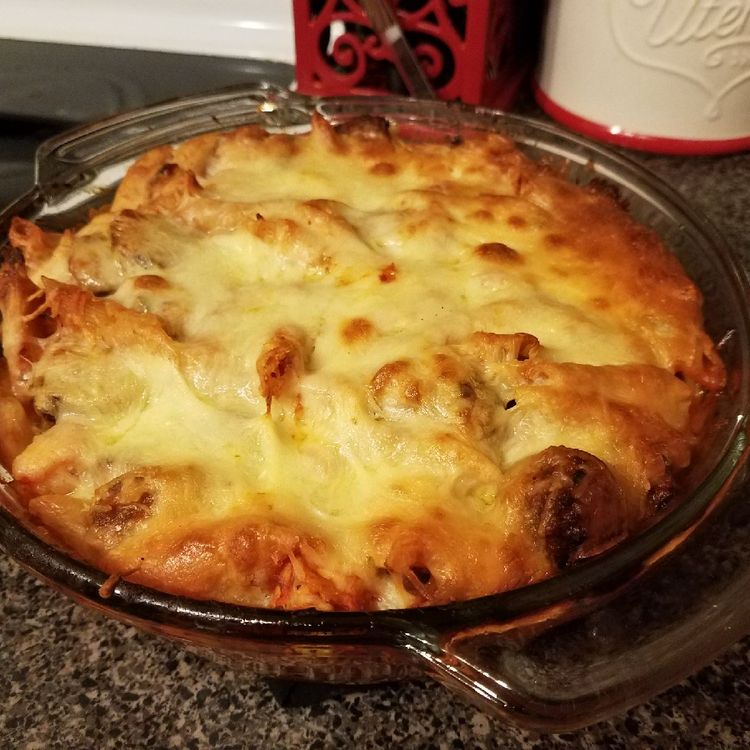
[344, 370]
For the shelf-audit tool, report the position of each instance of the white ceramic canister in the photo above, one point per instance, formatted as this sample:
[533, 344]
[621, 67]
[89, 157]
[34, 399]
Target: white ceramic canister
[671, 76]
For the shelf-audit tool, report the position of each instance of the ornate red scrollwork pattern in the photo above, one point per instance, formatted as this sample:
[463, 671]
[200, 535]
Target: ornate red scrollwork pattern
[456, 41]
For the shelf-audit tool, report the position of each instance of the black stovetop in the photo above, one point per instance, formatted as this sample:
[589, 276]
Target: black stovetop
[57, 86]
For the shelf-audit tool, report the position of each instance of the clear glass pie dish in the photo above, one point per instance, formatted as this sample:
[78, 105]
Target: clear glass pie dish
[567, 651]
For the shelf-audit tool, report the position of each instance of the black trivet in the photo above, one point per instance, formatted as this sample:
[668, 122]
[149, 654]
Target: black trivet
[296, 694]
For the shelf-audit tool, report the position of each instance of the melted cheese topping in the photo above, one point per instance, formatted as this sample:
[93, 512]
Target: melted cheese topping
[345, 370]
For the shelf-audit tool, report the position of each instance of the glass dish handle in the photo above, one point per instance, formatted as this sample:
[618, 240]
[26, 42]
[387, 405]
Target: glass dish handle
[61, 158]
[606, 649]
[589, 671]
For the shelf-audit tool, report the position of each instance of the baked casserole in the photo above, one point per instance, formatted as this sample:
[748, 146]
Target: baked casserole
[348, 369]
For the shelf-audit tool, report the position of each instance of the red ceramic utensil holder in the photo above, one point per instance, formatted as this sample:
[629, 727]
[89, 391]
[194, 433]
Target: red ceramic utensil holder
[478, 51]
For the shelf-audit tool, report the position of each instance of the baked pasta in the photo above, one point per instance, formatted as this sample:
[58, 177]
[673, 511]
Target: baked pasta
[348, 370]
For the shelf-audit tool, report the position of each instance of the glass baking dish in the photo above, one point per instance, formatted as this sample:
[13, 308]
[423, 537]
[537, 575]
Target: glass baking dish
[558, 654]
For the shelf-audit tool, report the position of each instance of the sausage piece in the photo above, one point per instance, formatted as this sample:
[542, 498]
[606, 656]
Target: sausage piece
[572, 502]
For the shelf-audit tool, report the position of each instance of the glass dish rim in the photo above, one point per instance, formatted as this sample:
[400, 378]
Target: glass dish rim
[60, 568]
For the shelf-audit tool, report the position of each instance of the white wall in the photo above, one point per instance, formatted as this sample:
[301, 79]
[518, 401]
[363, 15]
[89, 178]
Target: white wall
[230, 28]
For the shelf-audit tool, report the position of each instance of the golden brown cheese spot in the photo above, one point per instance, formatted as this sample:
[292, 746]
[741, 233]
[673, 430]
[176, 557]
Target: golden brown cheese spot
[442, 388]
[252, 139]
[412, 392]
[447, 367]
[104, 322]
[383, 169]
[517, 222]
[395, 377]
[555, 240]
[278, 232]
[281, 363]
[19, 299]
[146, 242]
[491, 347]
[634, 385]
[263, 552]
[124, 233]
[498, 252]
[482, 215]
[58, 474]
[572, 503]
[388, 273]
[410, 555]
[560, 271]
[122, 503]
[278, 558]
[324, 208]
[172, 187]
[329, 138]
[422, 558]
[16, 431]
[299, 408]
[197, 153]
[90, 259]
[156, 296]
[357, 330]
[151, 282]
[135, 188]
[35, 244]
[456, 394]
[189, 561]
[323, 262]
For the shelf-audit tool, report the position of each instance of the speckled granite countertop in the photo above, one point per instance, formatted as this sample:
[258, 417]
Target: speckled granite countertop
[72, 679]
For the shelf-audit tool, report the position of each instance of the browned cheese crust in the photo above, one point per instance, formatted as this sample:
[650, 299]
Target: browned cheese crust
[347, 370]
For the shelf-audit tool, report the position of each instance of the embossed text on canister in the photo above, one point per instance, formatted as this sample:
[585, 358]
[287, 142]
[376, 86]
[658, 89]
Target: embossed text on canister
[664, 75]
